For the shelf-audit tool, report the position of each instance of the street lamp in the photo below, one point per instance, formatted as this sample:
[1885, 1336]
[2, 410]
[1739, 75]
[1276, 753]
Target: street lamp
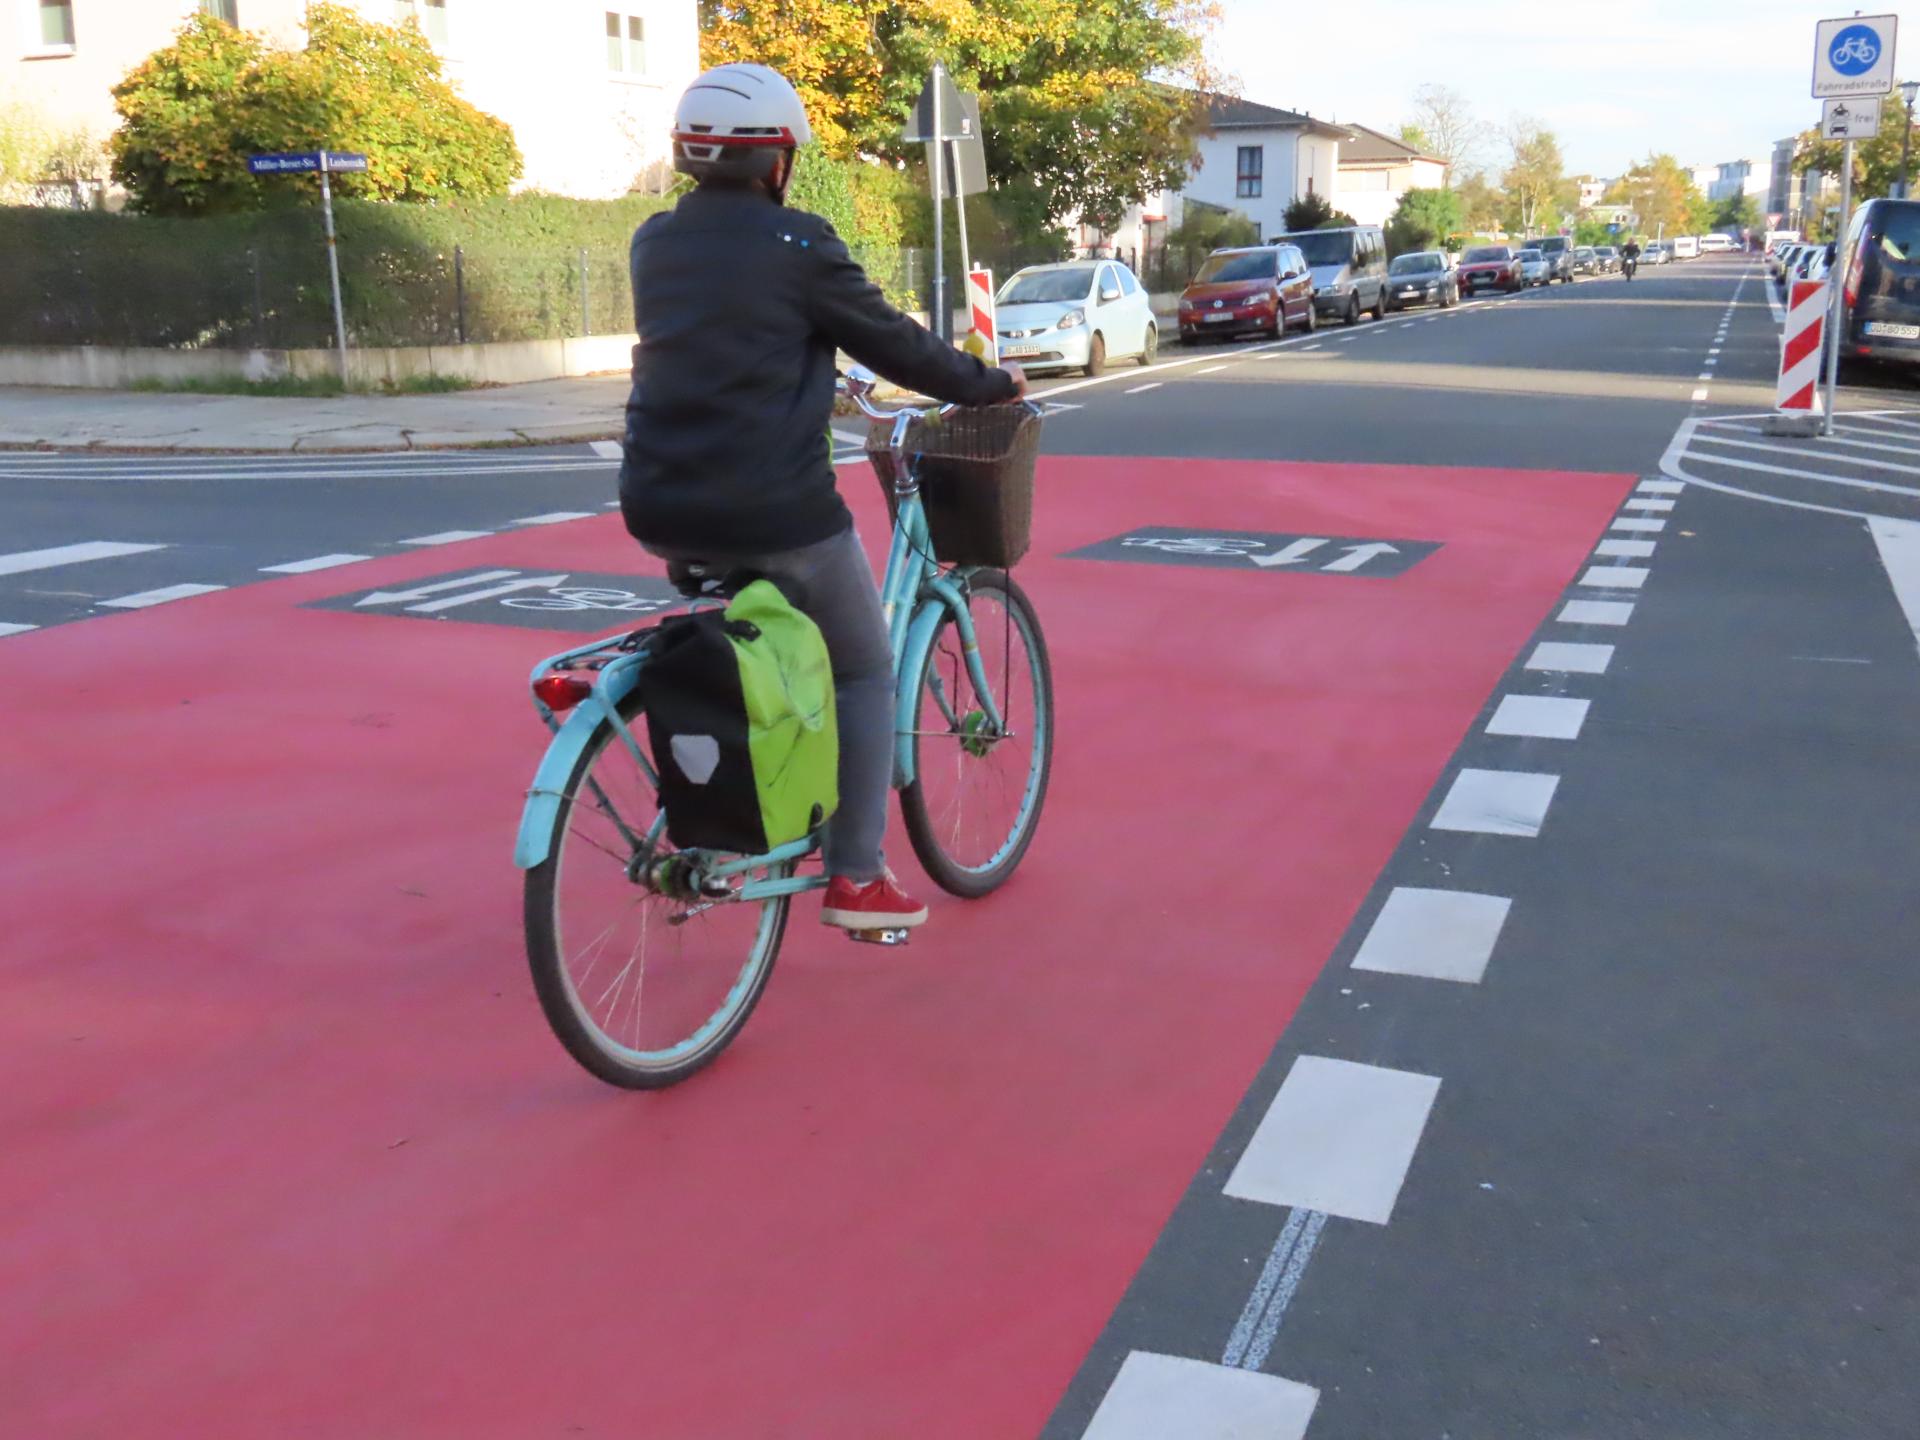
[1908, 90]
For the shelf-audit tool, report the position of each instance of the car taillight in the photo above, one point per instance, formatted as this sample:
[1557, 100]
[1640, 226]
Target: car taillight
[561, 692]
[1853, 276]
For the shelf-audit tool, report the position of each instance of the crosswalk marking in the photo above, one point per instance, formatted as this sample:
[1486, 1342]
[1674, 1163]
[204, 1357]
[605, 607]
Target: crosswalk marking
[552, 519]
[159, 597]
[21, 561]
[446, 537]
[6, 629]
[318, 562]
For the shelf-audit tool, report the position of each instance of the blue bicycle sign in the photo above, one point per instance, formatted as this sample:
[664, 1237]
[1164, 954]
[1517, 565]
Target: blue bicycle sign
[1854, 50]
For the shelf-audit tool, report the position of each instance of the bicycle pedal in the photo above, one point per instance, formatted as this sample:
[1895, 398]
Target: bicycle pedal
[880, 937]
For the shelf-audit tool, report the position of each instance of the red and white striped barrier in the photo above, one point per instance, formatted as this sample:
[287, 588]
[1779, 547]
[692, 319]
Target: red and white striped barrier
[1800, 345]
[980, 306]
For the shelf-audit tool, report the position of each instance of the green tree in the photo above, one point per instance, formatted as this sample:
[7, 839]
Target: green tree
[1412, 134]
[1309, 212]
[1664, 197]
[1534, 178]
[193, 111]
[1422, 220]
[1084, 97]
[1481, 203]
[1738, 212]
[1876, 162]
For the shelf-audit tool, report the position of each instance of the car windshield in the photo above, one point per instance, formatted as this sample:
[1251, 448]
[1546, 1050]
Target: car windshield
[1485, 252]
[1226, 265]
[1325, 247]
[1549, 246]
[1414, 264]
[1529, 256]
[1035, 287]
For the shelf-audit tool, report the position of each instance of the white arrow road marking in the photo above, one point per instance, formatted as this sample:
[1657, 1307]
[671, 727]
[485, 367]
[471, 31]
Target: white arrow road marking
[1899, 544]
[447, 602]
[394, 597]
[1293, 554]
[1358, 555]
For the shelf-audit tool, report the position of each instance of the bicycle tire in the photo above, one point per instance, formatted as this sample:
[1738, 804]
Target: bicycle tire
[949, 873]
[589, 1045]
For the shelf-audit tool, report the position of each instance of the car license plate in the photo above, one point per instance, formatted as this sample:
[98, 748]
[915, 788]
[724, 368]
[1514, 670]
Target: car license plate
[1223, 315]
[1892, 331]
[1405, 293]
[1016, 351]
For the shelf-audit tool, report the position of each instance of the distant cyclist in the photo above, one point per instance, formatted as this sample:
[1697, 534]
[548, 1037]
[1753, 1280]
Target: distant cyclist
[740, 305]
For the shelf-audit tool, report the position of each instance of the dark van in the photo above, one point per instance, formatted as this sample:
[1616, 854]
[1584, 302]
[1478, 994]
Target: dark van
[1349, 268]
[1880, 283]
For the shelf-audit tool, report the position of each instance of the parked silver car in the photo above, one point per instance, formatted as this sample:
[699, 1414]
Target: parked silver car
[1535, 268]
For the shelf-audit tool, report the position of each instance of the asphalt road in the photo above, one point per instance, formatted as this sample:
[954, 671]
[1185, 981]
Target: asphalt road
[1594, 1114]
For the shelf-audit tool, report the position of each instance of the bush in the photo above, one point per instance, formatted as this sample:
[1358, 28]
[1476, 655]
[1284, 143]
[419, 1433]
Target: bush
[1421, 220]
[195, 110]
[1309, 212]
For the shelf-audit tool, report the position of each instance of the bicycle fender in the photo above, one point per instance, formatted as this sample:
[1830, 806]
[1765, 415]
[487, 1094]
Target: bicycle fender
[906, 696]
[556, 767]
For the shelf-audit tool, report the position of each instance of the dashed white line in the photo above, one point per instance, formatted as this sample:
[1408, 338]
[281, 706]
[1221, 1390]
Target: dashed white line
[1497, 802]
[161, 596]
[318, 562]
[446, 537]
[1210, 369]
[1542, 717]
[553, 518]
[1615, 577]
[1435, 934]
[1659, 487]
[1659, 507]
[1141, 389]
[1155, 1396]
[1570, 657]
[1631, 549]
[1596, 612]
[1644, 523]
[6, 629]
[21, 561]
[1338, 1138]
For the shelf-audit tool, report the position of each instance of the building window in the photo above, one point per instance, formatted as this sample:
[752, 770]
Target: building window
[626, 44]
[56, 24]
[1248, 173]
[227, 10]
[431, 14]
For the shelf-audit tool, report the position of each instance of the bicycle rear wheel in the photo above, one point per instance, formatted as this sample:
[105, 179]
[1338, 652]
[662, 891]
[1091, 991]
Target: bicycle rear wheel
[644, 979]
[975, 801]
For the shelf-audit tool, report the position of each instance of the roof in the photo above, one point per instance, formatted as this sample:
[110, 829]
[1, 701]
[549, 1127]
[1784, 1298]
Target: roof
[1367, 146]
[1230, 112]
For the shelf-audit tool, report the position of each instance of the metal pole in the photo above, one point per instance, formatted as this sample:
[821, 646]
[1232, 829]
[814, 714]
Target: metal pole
[1833, 290]
[460, 293]
[960, 209]
[586, 317]
[942, 312]
[1906, 146]
[333, 268]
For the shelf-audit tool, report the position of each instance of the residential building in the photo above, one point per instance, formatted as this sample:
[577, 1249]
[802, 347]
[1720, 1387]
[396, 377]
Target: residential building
[588, 91]
[1797, 200]
[1592, 192]
[1375, 169]
[1740, 177]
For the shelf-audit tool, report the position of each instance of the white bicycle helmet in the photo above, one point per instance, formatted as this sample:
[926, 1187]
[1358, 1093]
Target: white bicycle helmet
[734, 121]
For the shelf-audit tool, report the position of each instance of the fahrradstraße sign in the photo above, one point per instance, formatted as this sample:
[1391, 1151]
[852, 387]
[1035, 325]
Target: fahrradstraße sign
[1854, 56]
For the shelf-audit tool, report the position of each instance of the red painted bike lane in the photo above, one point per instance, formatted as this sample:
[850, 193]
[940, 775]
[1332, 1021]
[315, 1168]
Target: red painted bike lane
[290, 1150]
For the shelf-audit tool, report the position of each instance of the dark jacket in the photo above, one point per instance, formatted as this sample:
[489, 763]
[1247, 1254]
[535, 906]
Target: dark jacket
[740, 305]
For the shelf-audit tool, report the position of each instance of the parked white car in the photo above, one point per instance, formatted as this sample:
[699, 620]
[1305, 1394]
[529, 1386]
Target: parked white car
[1535, 268]
[1075, 316]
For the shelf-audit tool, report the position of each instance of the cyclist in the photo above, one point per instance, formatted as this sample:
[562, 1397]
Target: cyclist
[1630, 256]
[740, 305]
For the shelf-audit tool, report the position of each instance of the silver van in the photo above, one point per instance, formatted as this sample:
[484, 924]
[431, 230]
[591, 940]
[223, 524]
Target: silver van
[1349, 267]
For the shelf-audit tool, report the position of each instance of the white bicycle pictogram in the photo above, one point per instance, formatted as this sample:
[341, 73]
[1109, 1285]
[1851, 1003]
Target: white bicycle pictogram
[583, 597]
[1196, 544]
[1855, 50]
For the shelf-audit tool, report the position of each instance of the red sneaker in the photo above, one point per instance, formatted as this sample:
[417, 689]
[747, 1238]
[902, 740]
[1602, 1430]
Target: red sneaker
[877, 905]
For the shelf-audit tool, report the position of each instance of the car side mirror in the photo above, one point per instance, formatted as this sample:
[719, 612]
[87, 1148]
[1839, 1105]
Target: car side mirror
[1111, 293]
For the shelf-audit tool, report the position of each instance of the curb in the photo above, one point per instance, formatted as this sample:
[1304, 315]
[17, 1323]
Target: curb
[422, 440]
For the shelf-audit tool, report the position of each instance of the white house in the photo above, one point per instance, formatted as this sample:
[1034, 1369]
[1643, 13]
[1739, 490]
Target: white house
[587, 90]
[1376, 169]
[1741, 177]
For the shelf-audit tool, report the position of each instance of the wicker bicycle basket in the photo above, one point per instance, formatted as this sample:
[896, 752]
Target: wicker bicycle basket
[976, 480]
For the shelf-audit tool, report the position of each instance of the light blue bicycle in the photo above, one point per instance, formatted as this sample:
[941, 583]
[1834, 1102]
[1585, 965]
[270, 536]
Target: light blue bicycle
[648, 960]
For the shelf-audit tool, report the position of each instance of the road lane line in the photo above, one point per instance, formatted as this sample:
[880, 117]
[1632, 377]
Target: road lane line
[1212, 370]
[1497, 802]
[161, 596]
[1860, 462]
[1439, 934]
[6, 629]
[607, 449]
[1142, 389]
[1538, 717]
[1699, 395]
[553, 518]
[445, 537]
[1338, 1138]
[1653, 506]
[1629, 549]
[1615, 577]
[1643, 523]
[21, 561]
[1155, 1396]
[318, 562]
[1659, 487]
[1567, 657]
[1898, 542]
[147, 475]
[1596, 612]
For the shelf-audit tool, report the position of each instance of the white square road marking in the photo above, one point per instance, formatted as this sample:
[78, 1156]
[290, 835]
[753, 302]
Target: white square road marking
[1160, 1397]
[6, 629]
[446, 537]
[553, 518]
[1497, 802]
[1646, 524]
[1596, 612]
[1570, 657]
[159, 597]
[318, 562]
[1631, 549]
[1544, 717]
[1659, 487]
[1434, 934]
[1658, 507]
[1338, 1138]
[1616, 577]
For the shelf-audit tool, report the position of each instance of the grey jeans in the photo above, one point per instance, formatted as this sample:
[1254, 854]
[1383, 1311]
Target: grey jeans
[840, 595]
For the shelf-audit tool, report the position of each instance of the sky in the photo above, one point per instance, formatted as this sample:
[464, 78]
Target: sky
[1707, 80]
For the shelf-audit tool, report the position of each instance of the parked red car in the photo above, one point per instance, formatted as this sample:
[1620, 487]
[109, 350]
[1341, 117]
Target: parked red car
[1490, 267]
[1259, 287]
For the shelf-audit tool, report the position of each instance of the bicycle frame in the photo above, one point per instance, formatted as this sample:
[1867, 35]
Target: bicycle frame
[914, 596]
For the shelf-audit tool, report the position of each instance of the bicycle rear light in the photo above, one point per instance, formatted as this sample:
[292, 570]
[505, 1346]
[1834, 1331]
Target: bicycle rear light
[561, 692]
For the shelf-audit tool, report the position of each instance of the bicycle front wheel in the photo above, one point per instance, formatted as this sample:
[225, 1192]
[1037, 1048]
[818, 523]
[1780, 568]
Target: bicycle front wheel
[644, 977]
[981, 760]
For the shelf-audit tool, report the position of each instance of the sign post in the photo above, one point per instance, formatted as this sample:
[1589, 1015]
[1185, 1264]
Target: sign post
[941, 115]
[322, 163]
[1852, 67]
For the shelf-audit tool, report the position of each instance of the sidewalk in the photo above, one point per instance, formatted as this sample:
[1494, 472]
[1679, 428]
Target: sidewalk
[541, 412]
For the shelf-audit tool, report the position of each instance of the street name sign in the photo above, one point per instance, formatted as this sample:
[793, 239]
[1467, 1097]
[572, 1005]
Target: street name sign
[1850, 119]
[1854, 56]
[307, 162]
